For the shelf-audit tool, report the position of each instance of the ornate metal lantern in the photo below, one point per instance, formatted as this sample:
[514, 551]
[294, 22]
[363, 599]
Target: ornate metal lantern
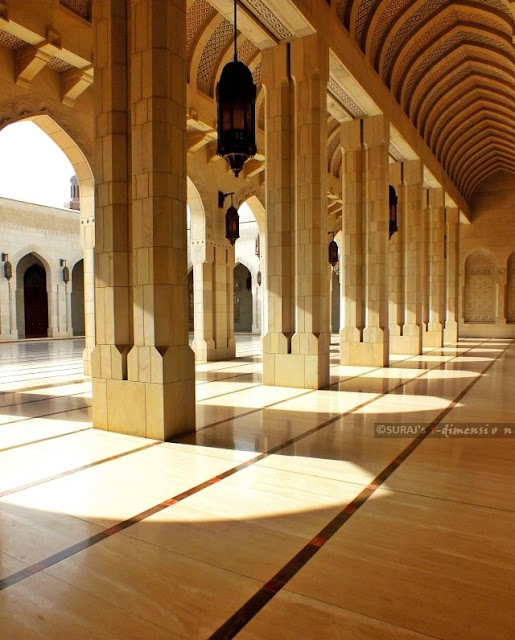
[393, 211]
[66, 272]
[232, 221]
[236, 100]
[8, 268]
[333, 252]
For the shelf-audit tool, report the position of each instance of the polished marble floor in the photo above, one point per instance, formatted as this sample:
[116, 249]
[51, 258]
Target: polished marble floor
[284, 516]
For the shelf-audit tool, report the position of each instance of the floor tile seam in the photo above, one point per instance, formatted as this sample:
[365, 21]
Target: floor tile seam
[36, 364]
[363, 615]
[236, 375]
[62, 380]
[90, 465]
[108, 602]
[52, 399]
[310, 391]
[55, 437]
[273, 404]
[228, 393]
[254, 605]
[90, 541]
[450, 500]
[44, 415]
[198, 560]
[47, 386]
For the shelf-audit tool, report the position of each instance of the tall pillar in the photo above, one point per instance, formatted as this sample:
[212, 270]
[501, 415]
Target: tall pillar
[364, 337]
[87, 241]
[213, 284]
[296, 344]
[433, 336]
[395, 259]
[411, 230]
[450, 332]
[500, 306]
[142, 366]
[8, 330]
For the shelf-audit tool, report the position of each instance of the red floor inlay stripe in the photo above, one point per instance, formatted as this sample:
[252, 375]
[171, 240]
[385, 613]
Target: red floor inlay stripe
[254, 605]
[69, 472]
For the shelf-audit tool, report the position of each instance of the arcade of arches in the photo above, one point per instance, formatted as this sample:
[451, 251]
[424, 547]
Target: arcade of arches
[435, 129]
[386, 124]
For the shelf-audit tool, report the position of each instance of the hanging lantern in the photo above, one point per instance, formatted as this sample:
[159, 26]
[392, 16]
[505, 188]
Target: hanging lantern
[8, 268]
[393, 211]
[236, 100]
[66, 272]
[232, 224]
[333, 253]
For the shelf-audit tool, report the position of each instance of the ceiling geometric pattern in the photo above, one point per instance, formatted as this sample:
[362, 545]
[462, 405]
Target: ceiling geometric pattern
[450, 65]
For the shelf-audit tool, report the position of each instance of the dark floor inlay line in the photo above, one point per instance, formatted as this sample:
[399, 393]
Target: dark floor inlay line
[54, 437]
[70, 472]
[254, 605]
[88, 542]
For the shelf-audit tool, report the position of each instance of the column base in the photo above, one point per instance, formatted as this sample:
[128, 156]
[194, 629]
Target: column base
[433, 337]
[409, 343]
[158, 400]
[373, 351]
[306, 367]
[450, 333]
[6, 337]
[206, 351]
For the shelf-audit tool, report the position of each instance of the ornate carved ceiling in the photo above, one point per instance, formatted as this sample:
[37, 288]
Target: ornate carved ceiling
[450, 65]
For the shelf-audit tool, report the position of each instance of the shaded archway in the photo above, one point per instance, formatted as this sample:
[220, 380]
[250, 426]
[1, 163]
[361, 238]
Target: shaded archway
[242, 299]
[32, 297]
[77, 302]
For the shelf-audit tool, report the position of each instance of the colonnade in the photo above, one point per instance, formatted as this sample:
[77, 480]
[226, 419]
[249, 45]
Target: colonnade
[399, 294]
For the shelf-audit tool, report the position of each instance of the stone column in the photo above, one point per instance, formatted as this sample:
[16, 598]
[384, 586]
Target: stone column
[411, 230]
[213, 284]
[53, 295]
[142, 366]
[450, 333]
[87, 241]
[395, 259]
[364, 337]
[8, 330]
[501, 284]
[296, 344]
[433, 336]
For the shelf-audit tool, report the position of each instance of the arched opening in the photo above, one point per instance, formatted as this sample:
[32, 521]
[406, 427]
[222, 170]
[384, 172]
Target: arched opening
[35, 176]
[242, 299]
[250, 250]
[510, 289]
[78, 323]
[32, 298]
[480, 288]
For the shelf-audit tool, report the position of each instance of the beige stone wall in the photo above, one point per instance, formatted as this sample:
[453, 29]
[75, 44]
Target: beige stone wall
[487, 274]
[51, 235]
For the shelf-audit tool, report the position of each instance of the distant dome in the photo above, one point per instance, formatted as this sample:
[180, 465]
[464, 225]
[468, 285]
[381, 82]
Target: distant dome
[74, 180]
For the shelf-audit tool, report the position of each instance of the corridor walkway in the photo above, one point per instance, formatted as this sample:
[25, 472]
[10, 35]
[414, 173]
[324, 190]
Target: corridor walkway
[283, 517]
